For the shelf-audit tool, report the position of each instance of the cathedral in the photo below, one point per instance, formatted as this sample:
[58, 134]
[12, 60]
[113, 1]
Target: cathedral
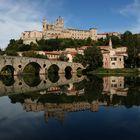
[57, 30]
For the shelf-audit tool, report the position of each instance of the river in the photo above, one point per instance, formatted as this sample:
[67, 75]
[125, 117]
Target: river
[69, 108]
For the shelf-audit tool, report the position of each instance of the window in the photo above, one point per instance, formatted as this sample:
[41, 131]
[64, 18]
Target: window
[113, 85]
[113, 63]
[113, 59]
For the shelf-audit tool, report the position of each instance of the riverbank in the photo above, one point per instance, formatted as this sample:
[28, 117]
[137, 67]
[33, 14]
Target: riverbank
[115, 72]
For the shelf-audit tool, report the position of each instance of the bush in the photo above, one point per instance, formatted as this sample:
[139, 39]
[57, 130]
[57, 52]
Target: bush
[11, 53]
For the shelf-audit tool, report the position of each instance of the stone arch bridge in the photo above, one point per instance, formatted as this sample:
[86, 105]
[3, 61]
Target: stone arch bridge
[19, 63]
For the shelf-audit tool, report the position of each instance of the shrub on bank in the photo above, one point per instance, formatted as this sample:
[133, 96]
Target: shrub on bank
[115, 71]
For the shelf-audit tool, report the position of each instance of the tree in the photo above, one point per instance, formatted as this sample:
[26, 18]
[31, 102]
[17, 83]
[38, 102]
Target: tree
[11, 53]
[93, 57]
[63, 57]
[79, 58]
[89, 41]
[126, 38]
[2, 52]
[115, 40]
[132, 42]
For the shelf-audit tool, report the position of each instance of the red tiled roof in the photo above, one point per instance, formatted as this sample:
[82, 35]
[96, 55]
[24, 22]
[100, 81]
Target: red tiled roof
[84, 47]
[53, 53]
[104, 47]
[53, 59]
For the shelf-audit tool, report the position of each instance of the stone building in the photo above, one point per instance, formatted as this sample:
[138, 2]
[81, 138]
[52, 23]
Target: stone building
[31, 36]
[57, 30]
[108, 34]
[113, 58]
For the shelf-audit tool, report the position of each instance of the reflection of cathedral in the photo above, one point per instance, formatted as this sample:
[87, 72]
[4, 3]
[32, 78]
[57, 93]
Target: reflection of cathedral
[58, 111]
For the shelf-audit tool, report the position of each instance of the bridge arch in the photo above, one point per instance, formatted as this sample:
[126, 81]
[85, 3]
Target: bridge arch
[53, 78]
[32, 81]
[7, 70]
[53, 73]
[32, 68]
[8, 80]
[68, 70]
[53, 69]
[79, 68]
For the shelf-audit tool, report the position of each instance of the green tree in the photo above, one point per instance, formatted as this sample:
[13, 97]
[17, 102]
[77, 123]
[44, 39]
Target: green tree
[132, 42]
[63, 57]
[11, 53]
[93, 57]
[79, 58]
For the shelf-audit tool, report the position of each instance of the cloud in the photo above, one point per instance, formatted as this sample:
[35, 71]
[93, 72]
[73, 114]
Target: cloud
[133, 10]
[17, 16]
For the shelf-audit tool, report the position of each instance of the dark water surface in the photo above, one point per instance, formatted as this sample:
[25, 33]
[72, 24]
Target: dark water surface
[80, 108]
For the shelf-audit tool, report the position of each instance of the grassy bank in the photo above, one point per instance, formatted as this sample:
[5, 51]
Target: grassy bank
[125, 71]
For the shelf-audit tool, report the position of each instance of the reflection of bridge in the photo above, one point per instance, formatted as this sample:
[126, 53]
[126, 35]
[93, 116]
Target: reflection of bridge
[42, 65]
[20, 86]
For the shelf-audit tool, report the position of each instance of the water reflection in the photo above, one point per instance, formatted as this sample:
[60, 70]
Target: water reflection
[32, 81]
[68, 76]
[78, 94]
[7, 80]
[53, 77]
[114, 86]
[25, 84]
[38, 108]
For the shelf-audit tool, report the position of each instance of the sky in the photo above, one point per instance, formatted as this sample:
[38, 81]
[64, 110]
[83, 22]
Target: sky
[17, 16]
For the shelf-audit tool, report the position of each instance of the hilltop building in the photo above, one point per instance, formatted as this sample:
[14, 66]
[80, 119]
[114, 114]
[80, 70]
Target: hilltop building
[108, 34]
[57, 30]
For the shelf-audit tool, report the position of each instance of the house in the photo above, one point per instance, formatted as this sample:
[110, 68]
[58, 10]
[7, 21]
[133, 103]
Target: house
[113, 58]
[82, 49]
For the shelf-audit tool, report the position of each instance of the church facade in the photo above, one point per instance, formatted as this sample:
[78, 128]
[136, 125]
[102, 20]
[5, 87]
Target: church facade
[57, 30]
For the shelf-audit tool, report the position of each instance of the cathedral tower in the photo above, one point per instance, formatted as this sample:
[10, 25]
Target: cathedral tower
[44, 26]
[59, 25]
[110, 43]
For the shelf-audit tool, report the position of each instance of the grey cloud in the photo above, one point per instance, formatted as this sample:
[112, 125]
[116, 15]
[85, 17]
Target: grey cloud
[2, 21]
[17, 16]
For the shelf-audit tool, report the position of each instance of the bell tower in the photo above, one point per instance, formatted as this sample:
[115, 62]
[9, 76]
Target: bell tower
[44, 26]
[110, 43]
[59, 23]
